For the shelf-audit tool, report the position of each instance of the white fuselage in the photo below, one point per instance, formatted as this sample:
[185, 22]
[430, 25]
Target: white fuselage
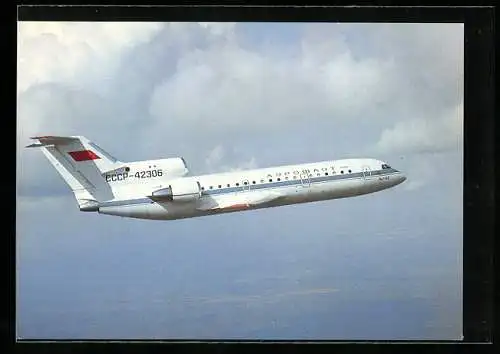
[253, 189]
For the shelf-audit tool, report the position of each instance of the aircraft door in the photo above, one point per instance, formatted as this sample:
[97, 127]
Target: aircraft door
[367, 172]
[305, 179]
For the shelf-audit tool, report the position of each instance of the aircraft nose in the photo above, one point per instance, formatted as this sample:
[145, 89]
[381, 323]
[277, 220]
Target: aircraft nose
[401, 178]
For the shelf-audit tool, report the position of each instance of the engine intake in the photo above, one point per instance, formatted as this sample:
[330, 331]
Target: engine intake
[179, 191]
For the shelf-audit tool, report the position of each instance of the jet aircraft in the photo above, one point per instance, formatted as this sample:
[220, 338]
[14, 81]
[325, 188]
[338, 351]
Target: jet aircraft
[163, 189]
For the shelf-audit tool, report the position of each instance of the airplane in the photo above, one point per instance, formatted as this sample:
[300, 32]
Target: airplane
[163, 189]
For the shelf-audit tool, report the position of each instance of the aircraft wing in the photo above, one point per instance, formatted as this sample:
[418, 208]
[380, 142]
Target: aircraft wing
[238, 202]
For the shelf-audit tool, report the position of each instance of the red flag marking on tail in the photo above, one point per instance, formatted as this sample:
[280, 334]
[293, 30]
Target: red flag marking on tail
[84, 155]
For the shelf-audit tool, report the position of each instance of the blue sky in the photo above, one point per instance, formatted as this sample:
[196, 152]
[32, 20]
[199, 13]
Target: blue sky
[233, 96]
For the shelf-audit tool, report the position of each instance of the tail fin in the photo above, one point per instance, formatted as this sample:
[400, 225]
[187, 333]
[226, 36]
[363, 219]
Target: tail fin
[81, 163]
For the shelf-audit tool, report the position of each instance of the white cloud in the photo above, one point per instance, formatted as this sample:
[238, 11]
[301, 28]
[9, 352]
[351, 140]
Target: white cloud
[425, 135]
[419, 173]
[232, 86]
[183, 88]
[214, 157]
[74, 52]
[245, 165]
[215, 161]
[219, 28]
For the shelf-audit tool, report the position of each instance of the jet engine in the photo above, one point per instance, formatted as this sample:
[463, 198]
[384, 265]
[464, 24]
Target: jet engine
[173, 167]
[181, 190]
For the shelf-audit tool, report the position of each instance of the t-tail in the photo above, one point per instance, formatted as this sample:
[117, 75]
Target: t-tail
[82, 164]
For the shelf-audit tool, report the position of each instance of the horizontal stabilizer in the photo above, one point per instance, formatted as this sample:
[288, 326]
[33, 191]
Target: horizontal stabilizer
[52, 140]
[34, 145]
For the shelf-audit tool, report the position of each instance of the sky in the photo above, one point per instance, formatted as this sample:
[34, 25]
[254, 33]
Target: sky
[229, 96]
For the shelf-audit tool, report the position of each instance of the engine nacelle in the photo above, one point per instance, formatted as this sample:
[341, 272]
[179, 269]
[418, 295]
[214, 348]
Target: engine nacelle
[173, 167]
[181, 190]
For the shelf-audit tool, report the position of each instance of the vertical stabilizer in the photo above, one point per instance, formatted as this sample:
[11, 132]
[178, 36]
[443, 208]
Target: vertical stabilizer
[81, 163]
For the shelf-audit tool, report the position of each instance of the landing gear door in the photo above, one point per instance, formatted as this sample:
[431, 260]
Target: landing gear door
[367, 172]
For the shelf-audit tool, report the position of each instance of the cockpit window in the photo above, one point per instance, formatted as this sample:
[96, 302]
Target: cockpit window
[385, 166]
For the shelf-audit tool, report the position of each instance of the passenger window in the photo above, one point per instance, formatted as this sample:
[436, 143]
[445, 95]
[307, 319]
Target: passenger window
[245, 183]
[286, 177]
[326, 173]
[253, 182]
[270, 180]
[237, 184]
[342, 171]
[349, 171]
[202, 188]
[279, 179]
[261, 181]
[211, 187]
[220, 186]
[228, 185]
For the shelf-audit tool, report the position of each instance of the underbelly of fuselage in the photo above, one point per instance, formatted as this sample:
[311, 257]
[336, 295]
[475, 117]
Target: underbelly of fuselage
[304, 193]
